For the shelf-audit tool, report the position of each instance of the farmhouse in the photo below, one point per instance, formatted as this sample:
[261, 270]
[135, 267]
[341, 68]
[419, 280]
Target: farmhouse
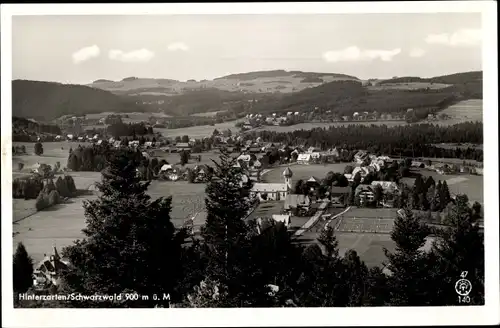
[304, 159]
[182, 146]
[48, 271]
[285, 219]
[365, 194]
[273, 191]
[294, 201]
[244, 158]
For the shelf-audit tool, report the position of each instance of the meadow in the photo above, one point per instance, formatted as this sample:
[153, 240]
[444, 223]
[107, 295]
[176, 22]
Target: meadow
[467, 110]
[200, 131]
[471, 185]
[310, 126]
[408, 86]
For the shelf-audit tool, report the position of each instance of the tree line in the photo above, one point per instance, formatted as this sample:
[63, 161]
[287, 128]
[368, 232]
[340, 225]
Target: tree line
[409, 141]
[234, 264]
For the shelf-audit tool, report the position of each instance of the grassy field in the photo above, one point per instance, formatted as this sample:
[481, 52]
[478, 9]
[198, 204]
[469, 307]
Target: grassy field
[304, 171]
[471, 185]
[408, 86]
[209, 114]
[132, 117]
[200, 131]
[467, 110]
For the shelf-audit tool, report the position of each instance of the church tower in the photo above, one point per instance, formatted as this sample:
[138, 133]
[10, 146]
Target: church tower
[287, 174]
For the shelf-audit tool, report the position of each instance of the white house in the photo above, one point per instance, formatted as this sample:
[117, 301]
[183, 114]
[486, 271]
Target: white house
[244, 157]
[282, 218]
[273, 191]
[304, 159]
[166, 167]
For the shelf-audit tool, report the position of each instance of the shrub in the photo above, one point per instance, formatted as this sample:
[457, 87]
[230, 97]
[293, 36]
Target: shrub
[20, 166]
[39, 148]
[49, 186]
[62, 187]
[27, 188]
[54, 198]
[70, 184]
[41, 202]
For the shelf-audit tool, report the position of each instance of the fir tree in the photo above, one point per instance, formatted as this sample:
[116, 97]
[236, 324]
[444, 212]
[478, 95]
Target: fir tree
[407, 284]
[459, 248]
[225, 231]
[22, 270]
[130, 244]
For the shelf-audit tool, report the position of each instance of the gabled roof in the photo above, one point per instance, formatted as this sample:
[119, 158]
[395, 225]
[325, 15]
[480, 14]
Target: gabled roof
[183, 145]
[293, 200]
[304, 157]
[339, 190]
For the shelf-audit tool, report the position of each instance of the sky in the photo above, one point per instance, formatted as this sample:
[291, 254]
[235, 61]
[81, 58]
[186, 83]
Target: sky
[80, 49]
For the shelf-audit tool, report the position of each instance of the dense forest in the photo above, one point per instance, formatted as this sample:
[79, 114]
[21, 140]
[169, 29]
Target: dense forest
[412, 141]
[49, 100]
[23, 129]
[458, 78]
[281, 73]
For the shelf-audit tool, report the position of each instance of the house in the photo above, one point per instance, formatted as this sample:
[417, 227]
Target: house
[254, 175]
[257, 164]
[360, 156]
[180, 146]
[273, 191]
[387, 186]
[166, 167]
[311, 150]
[363, 171]
[304, 159]
[254, 150]
[148, 144]
[294, 201]
[244, 157]
[285, 219]
[48, 271]
[133, 143]
[417, 164]
[365, 194]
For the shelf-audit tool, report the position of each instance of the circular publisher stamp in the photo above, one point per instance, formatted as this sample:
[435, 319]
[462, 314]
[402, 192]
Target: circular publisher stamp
[463, 287]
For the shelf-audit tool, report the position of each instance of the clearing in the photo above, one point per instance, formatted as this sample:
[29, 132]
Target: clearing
[200, 131]
[467, 110]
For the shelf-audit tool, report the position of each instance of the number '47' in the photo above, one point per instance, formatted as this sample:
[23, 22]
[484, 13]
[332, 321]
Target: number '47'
[463, 274]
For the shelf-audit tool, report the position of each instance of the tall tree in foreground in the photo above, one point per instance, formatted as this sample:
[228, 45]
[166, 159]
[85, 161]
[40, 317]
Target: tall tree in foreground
[407, 283]
[22, 271]
[130, 244]
[225, 231]
[459, 248]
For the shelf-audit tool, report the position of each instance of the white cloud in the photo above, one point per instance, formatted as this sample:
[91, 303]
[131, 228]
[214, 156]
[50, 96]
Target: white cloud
[355, 54]
[86, 54]
[463, 37]
[140, 55]
[417, 52]
[178, 46]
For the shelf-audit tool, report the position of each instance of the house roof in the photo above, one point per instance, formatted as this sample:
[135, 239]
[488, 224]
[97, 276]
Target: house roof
[269, 187]
[312, 179]
[362, 187]
[386, 185]
[304, 157]
[291, 201]
[287, 172]
[166, 167]
[183, 145]
[281, 218]
[243, 157]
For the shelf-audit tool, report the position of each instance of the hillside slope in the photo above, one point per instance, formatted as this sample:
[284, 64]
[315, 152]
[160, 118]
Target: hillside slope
[458, 78]
[279, 81]
[45, 101]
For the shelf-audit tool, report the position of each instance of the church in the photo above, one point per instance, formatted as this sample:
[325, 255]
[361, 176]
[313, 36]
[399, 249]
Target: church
[273, 191]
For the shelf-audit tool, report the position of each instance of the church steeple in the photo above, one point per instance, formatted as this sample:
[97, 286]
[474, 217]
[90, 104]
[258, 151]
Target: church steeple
[287, 174]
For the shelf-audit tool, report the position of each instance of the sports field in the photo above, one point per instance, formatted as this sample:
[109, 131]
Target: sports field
[363, 225]
[467, 110]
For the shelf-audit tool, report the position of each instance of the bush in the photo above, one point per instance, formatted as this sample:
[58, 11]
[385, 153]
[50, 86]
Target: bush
[54, 198]
[41, 201]
[49, 186]
[62, 187]
[70, 184]
[20, 166]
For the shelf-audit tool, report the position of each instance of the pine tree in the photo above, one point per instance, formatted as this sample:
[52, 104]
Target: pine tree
[225, 231]
[459, 248]
[22, 270]
[407, 283]
[130, 244]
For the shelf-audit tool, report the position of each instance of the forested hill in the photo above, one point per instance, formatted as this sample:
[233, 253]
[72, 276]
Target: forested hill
[283, 73]
[49, 100]
[458, 78]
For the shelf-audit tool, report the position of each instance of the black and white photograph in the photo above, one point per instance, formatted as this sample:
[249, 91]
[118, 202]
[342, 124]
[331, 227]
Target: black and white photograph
[250, 164]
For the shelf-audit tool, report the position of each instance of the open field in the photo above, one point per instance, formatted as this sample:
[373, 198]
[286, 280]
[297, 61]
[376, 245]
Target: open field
[467, 110]
[471, 185]
[132, 117]
[310, 126]
[200, 131]
[209, 114]
[363, 225]
[304, 171]
[409, 86]
[453, 146]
